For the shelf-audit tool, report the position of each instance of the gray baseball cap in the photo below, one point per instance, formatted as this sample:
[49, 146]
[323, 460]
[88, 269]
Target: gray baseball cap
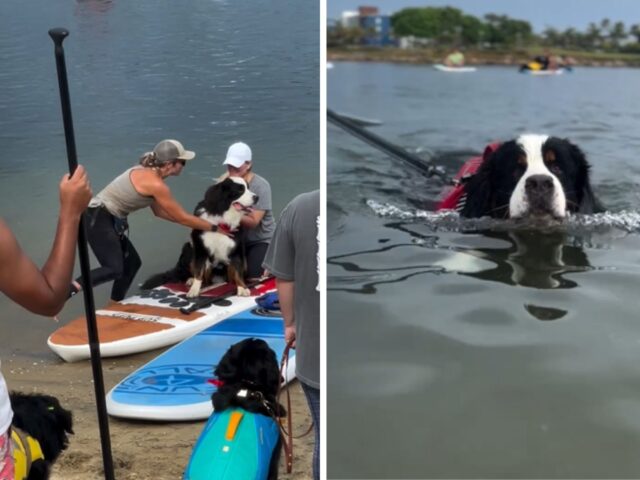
[170, 150]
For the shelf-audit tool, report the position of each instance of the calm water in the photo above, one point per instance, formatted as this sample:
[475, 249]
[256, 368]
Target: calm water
[486, 353]
[207, 72]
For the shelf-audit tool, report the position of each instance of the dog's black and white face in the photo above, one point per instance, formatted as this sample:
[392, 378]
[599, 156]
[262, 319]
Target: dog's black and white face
[532, 176]
[229, 200]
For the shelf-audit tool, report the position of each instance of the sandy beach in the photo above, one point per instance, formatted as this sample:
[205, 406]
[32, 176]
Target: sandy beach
[141, 450]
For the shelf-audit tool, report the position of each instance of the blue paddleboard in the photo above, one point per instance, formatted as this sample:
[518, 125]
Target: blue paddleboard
[175, 385]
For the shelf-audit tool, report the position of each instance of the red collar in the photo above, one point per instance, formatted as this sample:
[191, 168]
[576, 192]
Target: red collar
[226, 228]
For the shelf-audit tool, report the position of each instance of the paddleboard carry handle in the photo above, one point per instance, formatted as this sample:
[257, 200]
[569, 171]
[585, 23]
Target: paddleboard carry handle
[204, 302]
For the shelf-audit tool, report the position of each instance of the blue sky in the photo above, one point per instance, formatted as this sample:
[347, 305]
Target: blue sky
[559, 14]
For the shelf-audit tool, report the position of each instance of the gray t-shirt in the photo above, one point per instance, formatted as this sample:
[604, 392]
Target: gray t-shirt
[293, 256]
[264, 230]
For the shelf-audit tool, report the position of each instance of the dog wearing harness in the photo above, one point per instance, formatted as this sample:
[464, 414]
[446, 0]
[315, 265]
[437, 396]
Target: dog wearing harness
[242, 439]
[39, 434]
[26, 451]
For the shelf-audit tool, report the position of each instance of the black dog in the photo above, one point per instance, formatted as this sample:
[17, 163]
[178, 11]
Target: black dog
[43, 418]
[249, 377]
[532, 176]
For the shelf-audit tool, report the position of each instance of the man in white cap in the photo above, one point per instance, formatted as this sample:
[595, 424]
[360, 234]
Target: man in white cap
[258, 226]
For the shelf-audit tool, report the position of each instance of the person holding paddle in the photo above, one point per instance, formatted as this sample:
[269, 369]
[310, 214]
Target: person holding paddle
[42, 291]
[137, 188]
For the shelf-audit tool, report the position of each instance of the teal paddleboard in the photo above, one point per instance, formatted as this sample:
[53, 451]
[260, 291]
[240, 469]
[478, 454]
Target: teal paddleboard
[175, 385]
[234, 444]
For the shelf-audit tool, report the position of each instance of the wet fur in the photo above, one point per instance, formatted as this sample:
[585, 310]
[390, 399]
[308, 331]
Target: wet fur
[43, 418]
[489, 191]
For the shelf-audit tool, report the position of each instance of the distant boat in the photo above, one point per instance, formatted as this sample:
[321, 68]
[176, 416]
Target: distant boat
[444, 68]
[329, 65]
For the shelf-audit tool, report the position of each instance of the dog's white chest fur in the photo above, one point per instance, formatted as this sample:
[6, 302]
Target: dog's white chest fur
[219, 246]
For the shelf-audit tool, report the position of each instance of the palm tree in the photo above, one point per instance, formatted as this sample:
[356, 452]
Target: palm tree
[594, 35]
[617, 34]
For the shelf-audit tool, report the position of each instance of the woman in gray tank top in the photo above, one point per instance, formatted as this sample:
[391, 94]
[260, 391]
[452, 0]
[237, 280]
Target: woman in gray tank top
[138, 187]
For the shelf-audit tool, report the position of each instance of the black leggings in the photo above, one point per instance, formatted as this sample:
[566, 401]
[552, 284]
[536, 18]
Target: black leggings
[255, 256]
[118, 258]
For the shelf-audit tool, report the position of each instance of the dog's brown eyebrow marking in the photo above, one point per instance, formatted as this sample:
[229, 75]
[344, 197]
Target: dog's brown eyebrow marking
[522, 159]
[549, 156]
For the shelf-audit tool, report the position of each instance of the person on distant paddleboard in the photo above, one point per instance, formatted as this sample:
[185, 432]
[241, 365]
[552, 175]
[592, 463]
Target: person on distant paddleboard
[547, 61]
[455, 58]
[258, 226]
[42, 291]
[137, 188]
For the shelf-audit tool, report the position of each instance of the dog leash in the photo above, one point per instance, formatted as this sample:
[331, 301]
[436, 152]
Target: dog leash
[287, 434]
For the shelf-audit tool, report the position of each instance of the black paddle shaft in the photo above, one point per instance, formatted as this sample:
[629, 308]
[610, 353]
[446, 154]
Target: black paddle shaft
[58, 35]
[352, 127]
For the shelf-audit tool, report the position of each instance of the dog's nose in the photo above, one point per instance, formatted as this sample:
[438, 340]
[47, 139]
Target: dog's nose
[539, 184]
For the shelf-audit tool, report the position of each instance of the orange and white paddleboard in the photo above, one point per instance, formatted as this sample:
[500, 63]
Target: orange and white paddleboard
[150, 320]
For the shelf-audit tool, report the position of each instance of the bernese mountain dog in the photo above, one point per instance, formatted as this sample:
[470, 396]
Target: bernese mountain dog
[224, 205]
[533, 176]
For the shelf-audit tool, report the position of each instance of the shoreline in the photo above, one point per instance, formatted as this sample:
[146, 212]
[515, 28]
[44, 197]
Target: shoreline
[141, 450]
[430, 56]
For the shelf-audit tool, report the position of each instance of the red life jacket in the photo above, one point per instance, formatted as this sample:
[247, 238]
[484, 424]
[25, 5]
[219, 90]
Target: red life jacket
[452, 196]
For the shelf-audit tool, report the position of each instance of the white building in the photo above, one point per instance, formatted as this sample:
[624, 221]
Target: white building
[350, 19]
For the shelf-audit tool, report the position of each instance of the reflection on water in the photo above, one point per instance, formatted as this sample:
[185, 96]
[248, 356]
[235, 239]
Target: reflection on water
[526, 258]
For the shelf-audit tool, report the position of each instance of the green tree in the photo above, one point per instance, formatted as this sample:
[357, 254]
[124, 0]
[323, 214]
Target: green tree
[504, 31]
[617, 34]
[593, 37]
[442, 25]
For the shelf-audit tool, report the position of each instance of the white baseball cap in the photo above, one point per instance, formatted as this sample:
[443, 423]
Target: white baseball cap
[237, 155]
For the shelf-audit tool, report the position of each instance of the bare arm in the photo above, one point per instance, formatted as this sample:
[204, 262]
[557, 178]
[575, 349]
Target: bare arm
[285, 296]
[160, 212]
[170, 209]
[253, 219]
[44, 291]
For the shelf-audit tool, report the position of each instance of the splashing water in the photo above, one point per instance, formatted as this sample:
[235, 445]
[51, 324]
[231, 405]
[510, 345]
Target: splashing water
[450, 221]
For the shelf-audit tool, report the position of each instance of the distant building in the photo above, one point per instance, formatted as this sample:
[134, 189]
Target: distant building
[350, 19]
[377, 27]
[368, 11]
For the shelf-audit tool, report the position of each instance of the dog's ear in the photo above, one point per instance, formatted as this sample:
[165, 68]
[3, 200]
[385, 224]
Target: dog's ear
[271, 374]
[478, 192]
[587, 202]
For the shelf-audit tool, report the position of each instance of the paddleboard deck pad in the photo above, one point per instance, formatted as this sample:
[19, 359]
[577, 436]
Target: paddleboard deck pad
[175, 385]
[150, 320]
